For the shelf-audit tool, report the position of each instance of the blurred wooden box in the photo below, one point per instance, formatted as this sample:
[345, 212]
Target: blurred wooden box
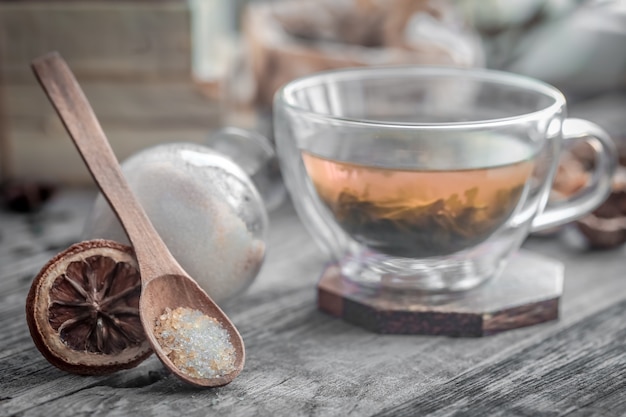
[134, 116]
[132, 58]
[99, 39]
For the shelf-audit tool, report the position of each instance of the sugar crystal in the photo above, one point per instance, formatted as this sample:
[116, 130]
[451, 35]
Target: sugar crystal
[198, 345]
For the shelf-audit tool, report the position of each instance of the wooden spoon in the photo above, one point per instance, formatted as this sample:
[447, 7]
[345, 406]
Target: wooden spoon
[164, 282]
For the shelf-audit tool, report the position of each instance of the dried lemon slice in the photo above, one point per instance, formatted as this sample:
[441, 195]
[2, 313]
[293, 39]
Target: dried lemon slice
[83, 309]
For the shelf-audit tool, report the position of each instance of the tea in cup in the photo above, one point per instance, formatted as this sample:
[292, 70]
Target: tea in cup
[428, 178]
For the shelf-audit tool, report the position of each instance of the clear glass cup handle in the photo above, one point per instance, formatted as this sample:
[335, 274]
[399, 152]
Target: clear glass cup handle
[599, 186]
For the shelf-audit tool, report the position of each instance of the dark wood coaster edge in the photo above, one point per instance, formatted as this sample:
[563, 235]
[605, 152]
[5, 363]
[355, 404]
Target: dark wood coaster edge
[521, 316]
[341, 299]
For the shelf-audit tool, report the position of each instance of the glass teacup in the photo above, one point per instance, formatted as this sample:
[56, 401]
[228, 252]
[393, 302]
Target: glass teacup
[428, 178]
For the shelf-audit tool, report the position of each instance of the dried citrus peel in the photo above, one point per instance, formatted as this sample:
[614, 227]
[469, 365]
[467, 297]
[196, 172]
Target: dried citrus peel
[82, 309]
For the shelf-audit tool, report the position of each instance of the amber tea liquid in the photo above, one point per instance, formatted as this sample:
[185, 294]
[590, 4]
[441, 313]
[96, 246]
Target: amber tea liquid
[418, 212]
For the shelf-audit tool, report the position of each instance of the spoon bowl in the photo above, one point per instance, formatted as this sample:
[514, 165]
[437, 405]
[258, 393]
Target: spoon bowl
[188, 294]
[164, 282]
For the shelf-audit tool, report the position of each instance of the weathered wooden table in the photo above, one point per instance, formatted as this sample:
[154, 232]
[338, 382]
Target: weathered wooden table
[303, 362]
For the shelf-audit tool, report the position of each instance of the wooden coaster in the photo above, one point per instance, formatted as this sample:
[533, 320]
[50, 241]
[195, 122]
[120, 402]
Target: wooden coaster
[527, 293]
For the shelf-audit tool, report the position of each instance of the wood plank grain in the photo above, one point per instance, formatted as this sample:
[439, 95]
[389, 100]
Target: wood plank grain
[580, 370]
[292, 372]
[295, 353]
[302, 362]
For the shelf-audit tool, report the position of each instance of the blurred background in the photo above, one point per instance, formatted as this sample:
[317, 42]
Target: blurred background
[161, 71]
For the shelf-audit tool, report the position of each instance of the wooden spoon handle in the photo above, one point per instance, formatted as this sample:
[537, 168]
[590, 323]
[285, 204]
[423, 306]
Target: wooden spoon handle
[81, 123]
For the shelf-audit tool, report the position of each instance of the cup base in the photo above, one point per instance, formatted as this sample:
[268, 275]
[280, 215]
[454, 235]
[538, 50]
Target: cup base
[425, 275]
